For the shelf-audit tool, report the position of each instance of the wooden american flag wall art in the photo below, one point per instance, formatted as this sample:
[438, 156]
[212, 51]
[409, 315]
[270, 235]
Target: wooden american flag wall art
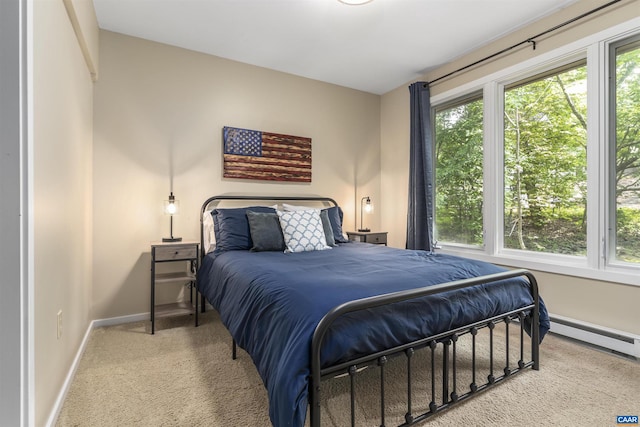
[252, 154]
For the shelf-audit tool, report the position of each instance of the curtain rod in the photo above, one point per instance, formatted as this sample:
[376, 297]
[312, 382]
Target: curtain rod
[529, 40]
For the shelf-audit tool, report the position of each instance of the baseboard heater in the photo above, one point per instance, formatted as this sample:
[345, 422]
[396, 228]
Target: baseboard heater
[607, 338]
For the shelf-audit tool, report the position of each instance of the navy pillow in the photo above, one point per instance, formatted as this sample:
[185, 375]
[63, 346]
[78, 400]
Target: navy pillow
[335, 218]
[266, 233]
[231, 228]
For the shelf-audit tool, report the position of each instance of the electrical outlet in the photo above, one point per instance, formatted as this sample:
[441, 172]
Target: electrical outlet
[59, 324]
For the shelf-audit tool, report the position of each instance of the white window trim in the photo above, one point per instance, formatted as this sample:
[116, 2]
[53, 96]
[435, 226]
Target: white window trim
[595, 265]
[493, 188]
[597, 156]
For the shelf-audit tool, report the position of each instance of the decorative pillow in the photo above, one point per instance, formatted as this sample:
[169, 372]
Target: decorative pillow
[302, 230]
[335, 217]
[231, 228]
[266, 233]
[326, 226]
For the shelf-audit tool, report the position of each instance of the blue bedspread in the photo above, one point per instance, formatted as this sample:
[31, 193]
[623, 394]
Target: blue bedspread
[271, 303]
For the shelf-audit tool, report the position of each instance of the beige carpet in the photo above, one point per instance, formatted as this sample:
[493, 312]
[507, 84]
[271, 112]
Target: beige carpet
[184, 376]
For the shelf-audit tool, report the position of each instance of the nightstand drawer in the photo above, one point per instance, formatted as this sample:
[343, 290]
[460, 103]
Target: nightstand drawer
[379, 238]
[176, 253]
[375, 237]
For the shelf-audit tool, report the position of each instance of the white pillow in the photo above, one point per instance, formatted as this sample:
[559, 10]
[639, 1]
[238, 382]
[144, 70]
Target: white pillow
[289, 208]
[302, 230]
[208, 234]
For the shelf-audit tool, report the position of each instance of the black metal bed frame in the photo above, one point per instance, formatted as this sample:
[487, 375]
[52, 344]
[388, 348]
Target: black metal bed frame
[448, 340]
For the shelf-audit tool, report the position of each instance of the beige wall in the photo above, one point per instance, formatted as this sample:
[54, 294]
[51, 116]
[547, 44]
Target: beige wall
[612, 305]
[603, 303]
[159, 113]
[62, 134]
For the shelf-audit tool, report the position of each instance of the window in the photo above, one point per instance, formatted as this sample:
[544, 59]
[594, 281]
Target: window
[538, 165]
[459, 171]
[545, 162]
[625, 143]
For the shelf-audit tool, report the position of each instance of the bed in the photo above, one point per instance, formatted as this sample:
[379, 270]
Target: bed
[312, 315]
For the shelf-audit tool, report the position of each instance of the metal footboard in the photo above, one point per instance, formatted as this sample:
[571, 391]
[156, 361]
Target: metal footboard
[447, 340]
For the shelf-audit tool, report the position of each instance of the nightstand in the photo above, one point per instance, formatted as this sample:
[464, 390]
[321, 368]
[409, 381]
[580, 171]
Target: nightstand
[376, 237]
[162, 252]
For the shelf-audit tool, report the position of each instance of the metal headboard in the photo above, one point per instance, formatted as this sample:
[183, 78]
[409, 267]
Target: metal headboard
[214, 201]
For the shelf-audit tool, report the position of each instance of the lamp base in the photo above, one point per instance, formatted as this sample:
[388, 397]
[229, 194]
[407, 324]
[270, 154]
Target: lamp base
[364, 230]
[172, 239]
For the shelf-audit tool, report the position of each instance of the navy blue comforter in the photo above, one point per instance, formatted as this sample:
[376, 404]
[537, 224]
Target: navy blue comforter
[271, 303]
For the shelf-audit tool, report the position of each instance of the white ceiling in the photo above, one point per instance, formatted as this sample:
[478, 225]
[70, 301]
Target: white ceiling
[374, 47]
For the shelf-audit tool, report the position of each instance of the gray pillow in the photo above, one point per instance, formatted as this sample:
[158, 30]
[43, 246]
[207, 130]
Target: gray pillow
[335, 218]
[266, 233]
[328, 230]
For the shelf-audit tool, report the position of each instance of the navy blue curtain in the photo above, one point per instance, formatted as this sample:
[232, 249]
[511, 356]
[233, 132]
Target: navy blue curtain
[420, 213]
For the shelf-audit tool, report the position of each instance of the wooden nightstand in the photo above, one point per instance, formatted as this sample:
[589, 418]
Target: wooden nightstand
[162, 252]
[376, 237]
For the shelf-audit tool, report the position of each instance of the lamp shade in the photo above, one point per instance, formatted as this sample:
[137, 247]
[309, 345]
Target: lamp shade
[365, 206]
[171, 208]
[171, 205]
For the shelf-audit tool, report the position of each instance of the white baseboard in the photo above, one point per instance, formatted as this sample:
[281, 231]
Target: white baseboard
[57, 407]
[608, 338]
[121, 319]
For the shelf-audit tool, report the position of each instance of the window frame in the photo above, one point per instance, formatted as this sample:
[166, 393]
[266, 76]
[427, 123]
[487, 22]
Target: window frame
[597, 264]
[610, 243]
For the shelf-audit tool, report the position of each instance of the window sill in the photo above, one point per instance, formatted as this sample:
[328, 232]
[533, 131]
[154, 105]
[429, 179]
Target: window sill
[565, 265]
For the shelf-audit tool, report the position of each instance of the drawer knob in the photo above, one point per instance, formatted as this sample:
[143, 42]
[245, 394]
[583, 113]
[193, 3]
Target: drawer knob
[176, 253]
